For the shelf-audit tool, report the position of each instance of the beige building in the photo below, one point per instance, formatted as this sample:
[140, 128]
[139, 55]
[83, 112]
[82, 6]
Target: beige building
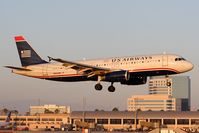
[165, 93]
[109, 119]
[151, 102]
[49, 108]
[38, 122]
[160, 85]
[126, 119]
[179, 87]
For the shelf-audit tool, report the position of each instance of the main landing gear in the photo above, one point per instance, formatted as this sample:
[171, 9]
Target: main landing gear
[99, 87]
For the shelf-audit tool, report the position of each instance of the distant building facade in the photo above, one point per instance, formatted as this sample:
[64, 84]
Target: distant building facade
[126, 119]
[173, 92]
[178, 87]
[38, 122]
[51, 108]
[152, 102]
[108, 119]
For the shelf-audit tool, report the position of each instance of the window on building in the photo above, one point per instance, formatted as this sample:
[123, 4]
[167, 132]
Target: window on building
[169, 121]
[23, 119]
[30, 119]
[128, 121]
[183, 121]
[102, 121]
[51, 119]
[194, 121]
[156, 120]
[23, 124]
[115, 121]
[58, 119]
[44, 119]
[90, 120]
[2, 119]
[16, 119]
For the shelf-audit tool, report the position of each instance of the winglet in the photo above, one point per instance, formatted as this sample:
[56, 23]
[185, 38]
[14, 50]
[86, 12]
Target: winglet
[19, 39]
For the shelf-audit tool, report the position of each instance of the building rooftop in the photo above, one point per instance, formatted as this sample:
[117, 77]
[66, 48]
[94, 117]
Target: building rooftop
[131, 114]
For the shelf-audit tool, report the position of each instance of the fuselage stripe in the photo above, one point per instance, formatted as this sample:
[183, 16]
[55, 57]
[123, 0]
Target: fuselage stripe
[131, 71]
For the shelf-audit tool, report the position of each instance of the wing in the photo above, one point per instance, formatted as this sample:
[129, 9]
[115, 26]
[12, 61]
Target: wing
[84, 69]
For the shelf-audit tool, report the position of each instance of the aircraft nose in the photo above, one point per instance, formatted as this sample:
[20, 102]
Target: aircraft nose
[189, 66]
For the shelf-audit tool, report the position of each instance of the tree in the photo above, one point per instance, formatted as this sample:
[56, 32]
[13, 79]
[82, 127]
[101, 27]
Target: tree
[115, 109]
[96, 110]
[16, 112]
[47, 111]
[27, 113]
[5, 111]
[57, 111]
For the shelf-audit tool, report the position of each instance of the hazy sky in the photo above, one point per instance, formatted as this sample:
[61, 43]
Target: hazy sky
[78, 29]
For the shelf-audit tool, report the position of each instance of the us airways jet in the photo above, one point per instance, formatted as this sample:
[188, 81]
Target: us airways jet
[132, 70]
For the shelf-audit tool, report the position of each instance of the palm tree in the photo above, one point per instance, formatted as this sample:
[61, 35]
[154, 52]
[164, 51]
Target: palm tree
[57, 111]
[96, 110]
[5, 111]
[115, 109]
[16, 112]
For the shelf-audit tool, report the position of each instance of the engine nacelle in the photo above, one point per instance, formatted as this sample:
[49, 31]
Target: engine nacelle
[117, 76]
[135, 81]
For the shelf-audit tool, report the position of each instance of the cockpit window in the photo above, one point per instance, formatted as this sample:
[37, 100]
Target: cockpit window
[179, 59]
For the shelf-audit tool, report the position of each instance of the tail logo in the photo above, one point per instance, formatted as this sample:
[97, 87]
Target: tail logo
[25, 53]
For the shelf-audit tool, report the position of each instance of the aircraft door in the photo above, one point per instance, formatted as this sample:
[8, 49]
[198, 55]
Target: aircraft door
[164, 60]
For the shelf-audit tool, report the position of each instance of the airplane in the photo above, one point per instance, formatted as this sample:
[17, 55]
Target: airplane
[7, 123]
[130, 70]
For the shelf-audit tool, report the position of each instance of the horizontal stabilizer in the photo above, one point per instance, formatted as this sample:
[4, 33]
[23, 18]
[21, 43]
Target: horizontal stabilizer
[18, 68]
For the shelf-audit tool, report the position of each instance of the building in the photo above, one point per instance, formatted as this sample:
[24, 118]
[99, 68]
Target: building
[160, 85]
[159, 102]
[109, 120]
[165, 93]
[178, 87]
[130, 120]
[40, 121]
[51, 108]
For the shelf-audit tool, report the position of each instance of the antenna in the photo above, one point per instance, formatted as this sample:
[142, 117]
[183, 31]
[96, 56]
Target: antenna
[84, 104]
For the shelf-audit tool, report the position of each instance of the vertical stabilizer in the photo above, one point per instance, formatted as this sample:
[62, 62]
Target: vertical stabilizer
[26, 53]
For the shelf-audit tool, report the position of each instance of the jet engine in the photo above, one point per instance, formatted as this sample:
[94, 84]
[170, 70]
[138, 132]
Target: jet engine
[117, 76]
[139, 80]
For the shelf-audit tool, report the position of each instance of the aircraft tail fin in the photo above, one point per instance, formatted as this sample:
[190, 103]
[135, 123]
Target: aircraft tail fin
[8, 117]
[26, 53]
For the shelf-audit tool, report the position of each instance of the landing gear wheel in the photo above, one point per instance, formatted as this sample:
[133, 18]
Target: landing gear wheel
[111, 88]
[98, 87]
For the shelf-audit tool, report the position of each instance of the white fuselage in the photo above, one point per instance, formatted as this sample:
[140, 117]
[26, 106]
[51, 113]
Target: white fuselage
[150, 65]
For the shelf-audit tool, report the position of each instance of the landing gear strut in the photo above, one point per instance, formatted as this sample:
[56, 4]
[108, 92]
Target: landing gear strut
[111, 88]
